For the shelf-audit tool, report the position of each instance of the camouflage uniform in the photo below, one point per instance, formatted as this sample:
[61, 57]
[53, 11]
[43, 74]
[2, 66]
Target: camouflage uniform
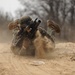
[18, 40]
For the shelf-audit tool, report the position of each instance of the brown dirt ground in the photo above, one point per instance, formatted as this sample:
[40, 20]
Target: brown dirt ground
[60, 62]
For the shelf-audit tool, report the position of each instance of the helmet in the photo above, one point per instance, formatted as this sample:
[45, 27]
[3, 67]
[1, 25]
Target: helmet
[25, 20]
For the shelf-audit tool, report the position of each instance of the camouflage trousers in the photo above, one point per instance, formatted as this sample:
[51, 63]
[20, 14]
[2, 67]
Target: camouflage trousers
[22, 45]
[39, 47]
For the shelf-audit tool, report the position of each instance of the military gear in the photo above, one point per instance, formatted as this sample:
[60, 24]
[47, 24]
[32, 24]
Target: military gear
[27, 29]
[30, 28]
[25, 20]
[34, 27]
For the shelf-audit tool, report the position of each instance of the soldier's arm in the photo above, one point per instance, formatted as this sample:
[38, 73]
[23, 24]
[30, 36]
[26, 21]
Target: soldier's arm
[13, 25]
[53, 25]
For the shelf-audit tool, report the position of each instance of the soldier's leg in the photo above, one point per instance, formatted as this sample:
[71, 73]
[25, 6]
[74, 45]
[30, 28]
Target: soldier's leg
[39, 46]
[44, 46]
[49, 44]
[15, 47]
[25, 46]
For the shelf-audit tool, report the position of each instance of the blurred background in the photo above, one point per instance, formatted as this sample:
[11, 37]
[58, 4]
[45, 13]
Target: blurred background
[61, 11]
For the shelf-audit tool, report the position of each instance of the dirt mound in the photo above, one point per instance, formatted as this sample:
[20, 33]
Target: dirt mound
[59, 64]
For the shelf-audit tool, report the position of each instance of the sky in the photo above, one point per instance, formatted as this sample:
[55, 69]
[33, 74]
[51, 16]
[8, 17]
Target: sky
[10, 6]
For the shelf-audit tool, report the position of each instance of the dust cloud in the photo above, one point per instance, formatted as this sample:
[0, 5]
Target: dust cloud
[60, 63]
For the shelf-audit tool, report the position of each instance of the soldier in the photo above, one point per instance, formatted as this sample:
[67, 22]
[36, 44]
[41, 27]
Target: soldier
[25, 29]
[17, 27]
[26, 42]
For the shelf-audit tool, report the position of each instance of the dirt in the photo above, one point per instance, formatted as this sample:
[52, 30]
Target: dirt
[60, 63]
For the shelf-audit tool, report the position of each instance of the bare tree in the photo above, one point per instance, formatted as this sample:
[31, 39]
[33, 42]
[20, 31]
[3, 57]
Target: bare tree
[61, 11]
[72, 11]
[5, 18]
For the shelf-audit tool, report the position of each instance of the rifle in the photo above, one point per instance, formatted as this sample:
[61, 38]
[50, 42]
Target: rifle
[33, 27]
[30, 30]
